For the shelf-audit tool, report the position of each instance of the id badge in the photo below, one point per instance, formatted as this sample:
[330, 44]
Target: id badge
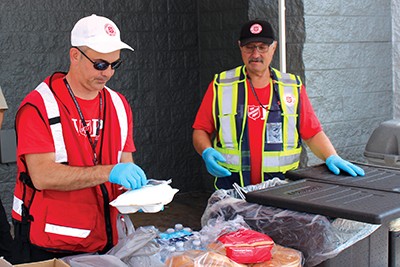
[274, 133]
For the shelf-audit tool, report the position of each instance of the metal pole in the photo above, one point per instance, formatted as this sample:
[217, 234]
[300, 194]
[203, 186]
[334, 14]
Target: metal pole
[282, 35]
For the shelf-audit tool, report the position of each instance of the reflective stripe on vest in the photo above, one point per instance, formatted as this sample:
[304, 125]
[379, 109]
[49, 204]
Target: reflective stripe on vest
[226, 85]
[17, 205]
[289, 157]
[122, 117]
[53, 114]
[67, 231]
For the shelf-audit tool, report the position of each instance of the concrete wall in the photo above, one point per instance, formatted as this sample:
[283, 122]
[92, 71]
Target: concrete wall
[342, 50]
[219, 30]
[348, 68]
[396, 57]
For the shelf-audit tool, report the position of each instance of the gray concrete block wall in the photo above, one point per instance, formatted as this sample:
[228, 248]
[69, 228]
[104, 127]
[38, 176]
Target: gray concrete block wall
[342, 51]
[395, 7]
[347, 61]
[219, 30]
[163, 95]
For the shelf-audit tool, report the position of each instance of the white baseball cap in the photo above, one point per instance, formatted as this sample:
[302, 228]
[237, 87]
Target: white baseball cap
[98, 33]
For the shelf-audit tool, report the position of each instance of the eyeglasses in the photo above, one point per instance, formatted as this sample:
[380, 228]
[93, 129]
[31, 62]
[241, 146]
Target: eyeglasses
[248, 49]
[102, 64]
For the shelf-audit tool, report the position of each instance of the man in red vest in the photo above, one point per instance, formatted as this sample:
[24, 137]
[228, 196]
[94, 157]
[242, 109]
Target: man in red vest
[74, 152]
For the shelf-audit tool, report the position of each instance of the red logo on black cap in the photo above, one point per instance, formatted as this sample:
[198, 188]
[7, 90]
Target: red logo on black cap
[255, 28]
[110, 30]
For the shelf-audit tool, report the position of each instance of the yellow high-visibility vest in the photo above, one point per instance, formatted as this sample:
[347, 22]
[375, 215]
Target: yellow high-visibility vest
[281, 143]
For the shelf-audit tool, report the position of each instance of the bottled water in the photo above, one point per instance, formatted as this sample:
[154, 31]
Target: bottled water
[188, 229]
[177, 239]
[196, 244]
[179, 245]
[173, 236]
[170, 230]
[166, 252]
[178, 227]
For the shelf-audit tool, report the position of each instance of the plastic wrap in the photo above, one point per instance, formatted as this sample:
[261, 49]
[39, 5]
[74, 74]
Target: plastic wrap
[247, 246]
[95, 261]
[281, 257]
[201, 258]
[137, 249]
[318, 237]
[214, 252]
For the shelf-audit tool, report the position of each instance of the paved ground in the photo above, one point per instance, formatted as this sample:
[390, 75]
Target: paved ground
[186, 209]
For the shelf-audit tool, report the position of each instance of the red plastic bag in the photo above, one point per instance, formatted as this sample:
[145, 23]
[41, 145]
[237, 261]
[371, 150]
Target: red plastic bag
[247, 246]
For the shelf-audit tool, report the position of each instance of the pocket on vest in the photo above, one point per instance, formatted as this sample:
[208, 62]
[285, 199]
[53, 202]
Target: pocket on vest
[66, 226]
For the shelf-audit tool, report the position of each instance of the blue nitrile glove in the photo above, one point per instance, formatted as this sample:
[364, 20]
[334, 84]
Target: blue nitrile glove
[211, 158]
[336, 163]
[129, 175]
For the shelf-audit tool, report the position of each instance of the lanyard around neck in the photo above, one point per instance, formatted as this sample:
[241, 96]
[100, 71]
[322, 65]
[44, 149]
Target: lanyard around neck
[274, 92]
[93, 143]
[255, 94]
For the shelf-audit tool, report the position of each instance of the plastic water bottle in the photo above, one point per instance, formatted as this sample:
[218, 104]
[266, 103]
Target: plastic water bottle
[170, 230]
[195, 235]
[179, 246]
[196, 244]
[188, 229]
[166, 252]
[178, 227]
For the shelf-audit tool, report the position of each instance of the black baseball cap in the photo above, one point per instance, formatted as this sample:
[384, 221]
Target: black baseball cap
[256, 31]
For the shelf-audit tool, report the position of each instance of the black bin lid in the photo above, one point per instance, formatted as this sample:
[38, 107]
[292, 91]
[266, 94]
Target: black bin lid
[359, 204]
[376, 177]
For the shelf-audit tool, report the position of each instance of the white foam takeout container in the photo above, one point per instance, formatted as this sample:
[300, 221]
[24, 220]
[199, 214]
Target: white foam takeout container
[150, 198]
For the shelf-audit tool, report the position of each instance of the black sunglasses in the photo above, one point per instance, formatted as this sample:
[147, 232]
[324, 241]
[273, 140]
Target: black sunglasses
[102, 64]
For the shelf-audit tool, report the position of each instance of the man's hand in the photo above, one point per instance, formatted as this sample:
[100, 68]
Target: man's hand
[211, 158]
[336, 163]
[129, 175]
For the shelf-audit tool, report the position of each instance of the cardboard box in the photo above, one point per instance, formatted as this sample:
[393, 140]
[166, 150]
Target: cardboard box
[48, 263]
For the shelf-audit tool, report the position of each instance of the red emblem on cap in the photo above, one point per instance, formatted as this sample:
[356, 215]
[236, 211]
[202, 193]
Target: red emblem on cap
[110, 30]
[255, 28]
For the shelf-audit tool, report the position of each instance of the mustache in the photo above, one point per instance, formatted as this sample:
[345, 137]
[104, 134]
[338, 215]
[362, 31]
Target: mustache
[256, 60]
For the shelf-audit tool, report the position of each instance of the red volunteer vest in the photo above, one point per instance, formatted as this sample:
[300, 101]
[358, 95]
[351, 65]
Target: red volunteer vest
[81, 220]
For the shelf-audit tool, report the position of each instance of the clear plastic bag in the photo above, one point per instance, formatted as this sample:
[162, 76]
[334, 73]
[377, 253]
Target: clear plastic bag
[94, 261]
[125, 226]
[137, 249]
[214, 252]
[201, 258]
[318, 237]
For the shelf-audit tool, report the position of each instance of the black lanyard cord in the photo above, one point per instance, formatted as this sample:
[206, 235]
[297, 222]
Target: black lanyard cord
[256, 96]
[274, 92]
[93, 144]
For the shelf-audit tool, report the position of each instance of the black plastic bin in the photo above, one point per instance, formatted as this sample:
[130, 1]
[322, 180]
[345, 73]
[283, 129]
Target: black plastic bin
[383, 148]
[383, 179]
[371, 251]
[373, 199]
